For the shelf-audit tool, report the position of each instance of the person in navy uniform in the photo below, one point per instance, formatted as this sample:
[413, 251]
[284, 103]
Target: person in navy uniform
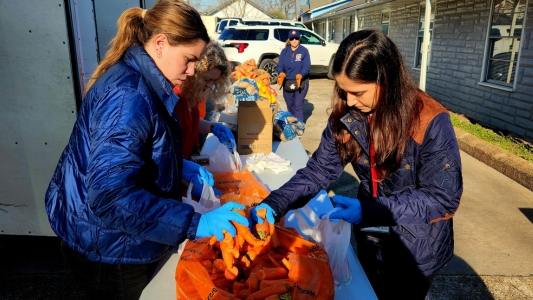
[293, 68]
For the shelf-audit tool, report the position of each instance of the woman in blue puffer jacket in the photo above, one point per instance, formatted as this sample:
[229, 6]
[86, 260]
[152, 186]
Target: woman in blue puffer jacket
[115, 197]
[402, 146]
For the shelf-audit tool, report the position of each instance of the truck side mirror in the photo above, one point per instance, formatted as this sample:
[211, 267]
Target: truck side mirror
[323, 43]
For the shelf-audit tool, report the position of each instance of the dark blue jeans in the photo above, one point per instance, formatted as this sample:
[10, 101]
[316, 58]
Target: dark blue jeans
[108, 281]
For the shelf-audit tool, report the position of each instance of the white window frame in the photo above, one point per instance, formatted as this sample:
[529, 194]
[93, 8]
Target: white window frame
[489, 61]
[385, 20]
[343, 28]
[332, 31]
[361, 23]
[420, 37]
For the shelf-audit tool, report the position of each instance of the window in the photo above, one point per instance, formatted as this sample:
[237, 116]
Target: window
[385, 19]
[361, 23]
[324, 30]
[244, 34]
[420, 37]
[503, 43]
[343, 28]
[306, 38]
[332, 31]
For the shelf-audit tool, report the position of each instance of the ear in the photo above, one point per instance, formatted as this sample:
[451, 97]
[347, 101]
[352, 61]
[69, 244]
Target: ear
[160, 41]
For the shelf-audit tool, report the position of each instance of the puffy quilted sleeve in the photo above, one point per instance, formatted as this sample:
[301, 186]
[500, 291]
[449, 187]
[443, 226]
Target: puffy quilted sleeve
[121, 145]
[323, 168]
[438, 184]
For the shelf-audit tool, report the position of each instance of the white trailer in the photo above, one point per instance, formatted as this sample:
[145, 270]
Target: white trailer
[49, 49]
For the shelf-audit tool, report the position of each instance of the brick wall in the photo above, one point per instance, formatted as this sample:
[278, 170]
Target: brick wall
[455, 66]
[458, 46]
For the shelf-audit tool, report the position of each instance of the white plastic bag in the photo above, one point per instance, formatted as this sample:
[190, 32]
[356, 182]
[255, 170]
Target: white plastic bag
[222, 160]
[208, 201]
[334, 236]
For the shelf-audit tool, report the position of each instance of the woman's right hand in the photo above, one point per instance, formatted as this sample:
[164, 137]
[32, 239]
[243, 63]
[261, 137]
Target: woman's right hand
[281, 77]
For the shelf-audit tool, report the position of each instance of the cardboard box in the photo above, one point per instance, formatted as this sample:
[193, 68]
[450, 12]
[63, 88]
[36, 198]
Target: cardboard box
[254, 127]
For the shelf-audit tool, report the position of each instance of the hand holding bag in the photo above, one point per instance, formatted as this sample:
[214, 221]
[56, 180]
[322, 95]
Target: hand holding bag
[334, 237]
[222, 160]
[208, 201]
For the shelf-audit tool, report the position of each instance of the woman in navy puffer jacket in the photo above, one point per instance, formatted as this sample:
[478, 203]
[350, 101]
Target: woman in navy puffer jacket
[115, 198]
[402, 146]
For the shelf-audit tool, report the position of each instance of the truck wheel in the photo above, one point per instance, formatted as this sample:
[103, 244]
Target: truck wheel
[271, 66]
[330, 71]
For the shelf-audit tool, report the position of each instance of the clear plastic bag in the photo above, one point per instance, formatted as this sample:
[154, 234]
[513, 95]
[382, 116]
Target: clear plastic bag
[208, 201]
[333, 235]
[222, 160]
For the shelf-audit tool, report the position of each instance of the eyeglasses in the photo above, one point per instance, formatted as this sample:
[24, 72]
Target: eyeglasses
[293, 38]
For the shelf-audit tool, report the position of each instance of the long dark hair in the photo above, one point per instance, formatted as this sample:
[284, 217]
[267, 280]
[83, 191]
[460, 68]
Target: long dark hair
[369, 56]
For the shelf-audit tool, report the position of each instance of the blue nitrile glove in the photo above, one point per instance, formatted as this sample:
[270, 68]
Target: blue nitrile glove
[224, 135]
[197, 175]
[269, 214]
[213, 222]
[350, 209]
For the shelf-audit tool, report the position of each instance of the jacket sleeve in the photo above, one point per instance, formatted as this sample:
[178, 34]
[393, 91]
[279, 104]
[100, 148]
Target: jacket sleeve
[121, 130]
[281, 62]
[306, 64]
[438, 188]
[323, 168]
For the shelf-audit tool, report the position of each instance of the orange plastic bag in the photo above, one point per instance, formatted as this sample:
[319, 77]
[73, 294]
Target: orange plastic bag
[309, 275]
[194, 282]
[312, 278]
[241, 187]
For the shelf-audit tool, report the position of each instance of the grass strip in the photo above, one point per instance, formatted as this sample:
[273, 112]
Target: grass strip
[514, 146]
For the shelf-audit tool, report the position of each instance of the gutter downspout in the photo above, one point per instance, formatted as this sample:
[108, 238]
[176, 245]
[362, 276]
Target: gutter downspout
[425, 47]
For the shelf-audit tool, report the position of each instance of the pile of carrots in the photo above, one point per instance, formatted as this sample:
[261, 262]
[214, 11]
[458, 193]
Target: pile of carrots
[255, 264]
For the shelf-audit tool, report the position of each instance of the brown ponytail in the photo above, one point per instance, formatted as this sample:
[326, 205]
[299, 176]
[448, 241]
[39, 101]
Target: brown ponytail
[178, 21]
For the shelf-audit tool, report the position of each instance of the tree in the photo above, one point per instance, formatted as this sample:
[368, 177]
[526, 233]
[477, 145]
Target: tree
[238, 9]
[285, 7]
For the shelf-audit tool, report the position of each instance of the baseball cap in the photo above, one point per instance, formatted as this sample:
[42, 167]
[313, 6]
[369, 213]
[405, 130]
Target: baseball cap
[294, 34]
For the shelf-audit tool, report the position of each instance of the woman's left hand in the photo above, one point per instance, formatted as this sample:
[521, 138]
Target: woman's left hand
[197, 175]
[224, 135]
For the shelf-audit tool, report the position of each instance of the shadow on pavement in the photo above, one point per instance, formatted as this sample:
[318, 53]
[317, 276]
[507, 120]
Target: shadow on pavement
[458, 281]
[528, 212]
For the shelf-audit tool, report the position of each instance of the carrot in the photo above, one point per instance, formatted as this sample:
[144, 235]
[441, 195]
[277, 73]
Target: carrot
[276, 289]
[274, 240]
[229, 252]
[273, 297]
[232, 273]
[215, 276]
[218, 266]
[287, 263]
[227, 295]
[266, 283]
[244, 261]
[274, 262]
[253, 283]
[223, 283]
[272, 273]
[237, 287]
[243, 232]
[243, 294]
[212, 240]
[207, 264]
[262, 231]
